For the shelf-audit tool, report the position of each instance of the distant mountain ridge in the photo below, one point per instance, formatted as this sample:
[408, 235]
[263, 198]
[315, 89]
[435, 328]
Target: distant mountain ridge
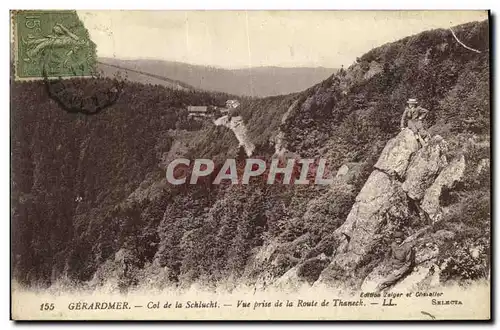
[259, 81]
[143, 77]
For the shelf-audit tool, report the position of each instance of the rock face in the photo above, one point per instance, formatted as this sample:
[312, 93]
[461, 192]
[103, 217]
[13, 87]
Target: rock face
[407, 183]
[240, 131]
[397, 152]
[279, 139]
[424, 166]
[448, 178]
[380, 199]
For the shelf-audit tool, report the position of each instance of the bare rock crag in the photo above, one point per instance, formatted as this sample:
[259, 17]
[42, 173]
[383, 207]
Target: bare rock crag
[407, 181]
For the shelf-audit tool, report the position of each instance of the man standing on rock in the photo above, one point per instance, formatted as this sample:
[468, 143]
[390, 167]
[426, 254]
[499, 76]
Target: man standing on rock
[401, 261]
[415, 115]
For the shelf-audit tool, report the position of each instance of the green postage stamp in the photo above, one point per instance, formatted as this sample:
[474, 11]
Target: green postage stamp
[51, 44]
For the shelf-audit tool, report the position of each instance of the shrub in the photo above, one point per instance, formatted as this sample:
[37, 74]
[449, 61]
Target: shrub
[311, 269]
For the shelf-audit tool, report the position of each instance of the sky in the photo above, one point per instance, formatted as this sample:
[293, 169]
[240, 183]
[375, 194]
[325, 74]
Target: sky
[242, 39]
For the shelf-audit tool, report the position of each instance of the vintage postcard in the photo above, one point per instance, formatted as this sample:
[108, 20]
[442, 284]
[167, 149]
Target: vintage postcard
[250, 165]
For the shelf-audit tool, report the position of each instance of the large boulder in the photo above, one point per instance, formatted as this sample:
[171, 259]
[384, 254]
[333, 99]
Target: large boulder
[396, 155]
[448, 178]
[423, 168]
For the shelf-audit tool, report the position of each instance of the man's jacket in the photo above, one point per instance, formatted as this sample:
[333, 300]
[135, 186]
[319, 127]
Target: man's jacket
[414, 114]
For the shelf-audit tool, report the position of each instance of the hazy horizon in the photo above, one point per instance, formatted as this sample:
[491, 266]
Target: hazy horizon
[215, 66]
[252, 39]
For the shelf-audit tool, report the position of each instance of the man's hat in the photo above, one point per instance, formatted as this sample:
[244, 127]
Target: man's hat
[399, 234]
[412, 101]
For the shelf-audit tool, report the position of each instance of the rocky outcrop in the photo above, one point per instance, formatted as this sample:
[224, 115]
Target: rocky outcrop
[448, 178]
[374, 69]
[240, 131]
[343, 170]
[279, 139]
[380, 199]
[423, 168]
[349, 172]
[396, 154]
[407, 183]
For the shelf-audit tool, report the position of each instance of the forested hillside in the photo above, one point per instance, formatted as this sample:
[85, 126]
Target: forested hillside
[132, 228]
